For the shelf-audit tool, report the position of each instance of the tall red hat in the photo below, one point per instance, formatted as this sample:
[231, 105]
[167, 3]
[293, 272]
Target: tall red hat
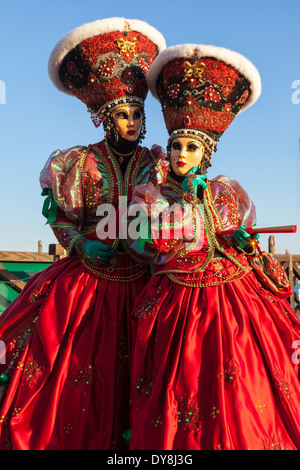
[201, 89]
[104, 63]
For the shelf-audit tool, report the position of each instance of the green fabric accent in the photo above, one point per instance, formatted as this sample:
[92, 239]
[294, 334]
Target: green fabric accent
[126, 436]
[196, 180]
[142, 241]
[49, 210]
[242, 238]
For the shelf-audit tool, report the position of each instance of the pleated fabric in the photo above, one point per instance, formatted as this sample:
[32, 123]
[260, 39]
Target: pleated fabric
[66, 357]
[214, 368]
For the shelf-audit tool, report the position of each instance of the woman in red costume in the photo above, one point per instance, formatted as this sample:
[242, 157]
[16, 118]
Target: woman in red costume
[213, 364]
[64, 373]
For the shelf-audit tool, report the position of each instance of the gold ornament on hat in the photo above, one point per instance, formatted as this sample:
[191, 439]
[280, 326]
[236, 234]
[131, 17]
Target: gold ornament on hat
[193, 70]
[126, 45]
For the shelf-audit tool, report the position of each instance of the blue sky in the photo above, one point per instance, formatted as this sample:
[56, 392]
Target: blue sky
[260, 149]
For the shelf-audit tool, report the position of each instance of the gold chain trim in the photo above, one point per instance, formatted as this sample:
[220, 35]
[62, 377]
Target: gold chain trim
[232, 278]
[99, 272]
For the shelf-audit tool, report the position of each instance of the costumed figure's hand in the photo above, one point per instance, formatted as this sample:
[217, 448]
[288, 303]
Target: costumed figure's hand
[191, 183]
[94, 250]
[244, 240]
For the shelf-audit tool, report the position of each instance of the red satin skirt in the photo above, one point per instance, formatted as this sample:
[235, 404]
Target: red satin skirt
[66, 358]
[215, 368]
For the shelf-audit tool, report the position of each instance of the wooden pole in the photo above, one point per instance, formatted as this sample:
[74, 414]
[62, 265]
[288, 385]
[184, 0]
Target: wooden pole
[291, 279]
[8, 277]
[272, 244]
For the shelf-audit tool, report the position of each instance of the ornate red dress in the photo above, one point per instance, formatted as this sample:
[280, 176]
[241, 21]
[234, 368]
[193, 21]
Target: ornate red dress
[66, 335]
[215, 362]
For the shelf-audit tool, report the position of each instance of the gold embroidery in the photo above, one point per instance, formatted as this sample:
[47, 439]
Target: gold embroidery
[193, 70]
[260, 406]
[193, 283]
[126, 45]
[107, 273]
[274, 444]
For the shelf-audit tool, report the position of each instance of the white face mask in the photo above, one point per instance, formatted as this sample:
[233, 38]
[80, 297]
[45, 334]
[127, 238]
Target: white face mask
[185, 153]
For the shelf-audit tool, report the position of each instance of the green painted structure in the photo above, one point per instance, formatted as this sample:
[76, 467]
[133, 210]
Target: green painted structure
[23, 271]
[17, 268]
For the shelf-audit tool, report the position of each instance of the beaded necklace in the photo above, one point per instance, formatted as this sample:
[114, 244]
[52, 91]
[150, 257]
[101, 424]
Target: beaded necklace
[123, 180]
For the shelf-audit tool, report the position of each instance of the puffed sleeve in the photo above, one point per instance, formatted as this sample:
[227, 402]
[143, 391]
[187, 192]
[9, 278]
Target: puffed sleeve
[62, 175]
[60, 180]
[232, 202]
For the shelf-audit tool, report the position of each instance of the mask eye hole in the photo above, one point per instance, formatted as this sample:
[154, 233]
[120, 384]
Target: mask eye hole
[176, 145]
[193, 147]
[121, 115]
[137, 114]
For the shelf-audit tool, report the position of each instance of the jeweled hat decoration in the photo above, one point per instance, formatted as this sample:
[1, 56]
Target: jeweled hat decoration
[104, 63]
[201, 89]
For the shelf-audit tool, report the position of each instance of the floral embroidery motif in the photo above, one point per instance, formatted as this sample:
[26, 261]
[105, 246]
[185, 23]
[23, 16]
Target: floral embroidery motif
[229, 373]
[191, 415]
[37, 294]
[282, 387]
[107, 68]
[173, 90]
[145, 383]
[148, 306]
[4, 419]
[16, 412]
[83, 375]
[274, 444]
[18, 344]
[212, 94]
[68, 428]
[32, 370]
[227, 200]
[260, 406]
[214, 412]
[157, 421]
